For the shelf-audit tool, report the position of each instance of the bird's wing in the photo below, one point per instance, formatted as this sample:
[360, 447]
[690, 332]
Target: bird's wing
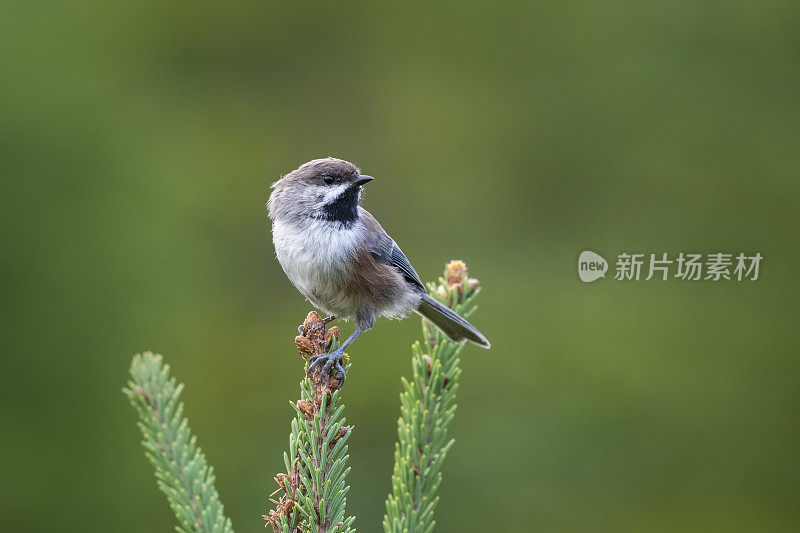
[385, 250]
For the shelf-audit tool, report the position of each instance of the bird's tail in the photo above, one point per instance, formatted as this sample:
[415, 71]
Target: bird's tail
[450, 323]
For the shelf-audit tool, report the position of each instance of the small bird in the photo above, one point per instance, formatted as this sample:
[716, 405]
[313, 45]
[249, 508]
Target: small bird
[340, 258]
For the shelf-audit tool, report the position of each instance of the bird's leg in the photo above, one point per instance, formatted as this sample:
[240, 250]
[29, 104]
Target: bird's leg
[327, 360]
[349, 340]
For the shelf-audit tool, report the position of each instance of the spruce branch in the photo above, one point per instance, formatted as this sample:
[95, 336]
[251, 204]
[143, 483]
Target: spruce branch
[427, 406]
[180, 465]
[313, 491]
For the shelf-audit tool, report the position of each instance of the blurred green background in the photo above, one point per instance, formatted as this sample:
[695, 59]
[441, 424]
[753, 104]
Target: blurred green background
[138, 141]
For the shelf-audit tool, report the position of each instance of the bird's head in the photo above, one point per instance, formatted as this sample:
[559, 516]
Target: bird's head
[327, 189]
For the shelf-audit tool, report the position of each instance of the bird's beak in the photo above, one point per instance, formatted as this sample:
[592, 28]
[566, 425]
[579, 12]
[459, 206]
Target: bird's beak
[363, 179]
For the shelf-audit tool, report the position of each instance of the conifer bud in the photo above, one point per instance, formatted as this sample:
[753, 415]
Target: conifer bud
[307, 408]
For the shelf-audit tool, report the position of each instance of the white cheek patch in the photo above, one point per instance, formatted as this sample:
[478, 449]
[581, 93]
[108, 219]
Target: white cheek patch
[334, 192]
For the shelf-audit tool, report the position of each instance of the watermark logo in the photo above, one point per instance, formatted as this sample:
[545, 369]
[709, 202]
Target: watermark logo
[591, 266]
[717, 266]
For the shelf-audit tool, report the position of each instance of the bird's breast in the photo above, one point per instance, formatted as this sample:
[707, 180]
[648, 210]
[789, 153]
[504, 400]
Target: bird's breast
[317, 257]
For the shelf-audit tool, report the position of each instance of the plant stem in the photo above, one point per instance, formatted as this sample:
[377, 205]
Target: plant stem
[313, 490]
[180, 466]
[427, 406]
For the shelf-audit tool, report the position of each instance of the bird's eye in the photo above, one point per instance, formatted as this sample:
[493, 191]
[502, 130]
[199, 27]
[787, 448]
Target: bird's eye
[328, 180]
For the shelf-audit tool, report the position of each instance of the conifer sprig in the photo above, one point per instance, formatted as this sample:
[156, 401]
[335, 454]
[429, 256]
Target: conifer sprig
[180, 465]
[313, 491]
[427, 406]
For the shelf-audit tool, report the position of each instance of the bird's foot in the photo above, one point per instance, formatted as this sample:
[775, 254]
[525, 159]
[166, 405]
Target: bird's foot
[325, 361]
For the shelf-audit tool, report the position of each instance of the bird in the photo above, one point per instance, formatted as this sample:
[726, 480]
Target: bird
[340, 258]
